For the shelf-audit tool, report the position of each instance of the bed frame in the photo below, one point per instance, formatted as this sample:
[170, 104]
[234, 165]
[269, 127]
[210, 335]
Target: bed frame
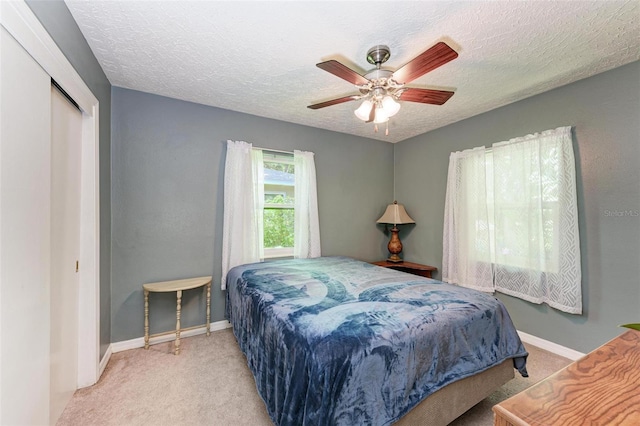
[447, 404]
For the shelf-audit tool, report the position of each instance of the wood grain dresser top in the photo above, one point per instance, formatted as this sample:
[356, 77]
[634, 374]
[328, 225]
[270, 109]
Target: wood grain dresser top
[602, 388]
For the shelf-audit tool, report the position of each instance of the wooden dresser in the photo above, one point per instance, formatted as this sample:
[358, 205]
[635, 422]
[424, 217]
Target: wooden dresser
[602, 388]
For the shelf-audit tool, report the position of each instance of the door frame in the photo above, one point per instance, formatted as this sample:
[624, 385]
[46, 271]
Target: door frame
[18, 19]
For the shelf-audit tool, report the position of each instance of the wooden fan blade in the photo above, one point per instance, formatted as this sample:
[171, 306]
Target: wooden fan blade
[333, 102]
[426, 96]
[430, 59]
[342, 71]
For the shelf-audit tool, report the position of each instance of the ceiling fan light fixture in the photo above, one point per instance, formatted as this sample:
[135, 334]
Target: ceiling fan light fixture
[390, 106]
[364, 110]
[381, 115]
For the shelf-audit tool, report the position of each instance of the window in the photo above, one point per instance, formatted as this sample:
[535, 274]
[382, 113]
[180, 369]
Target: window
[511, 220]
[279, 210]
[526, 209]
[290, 190]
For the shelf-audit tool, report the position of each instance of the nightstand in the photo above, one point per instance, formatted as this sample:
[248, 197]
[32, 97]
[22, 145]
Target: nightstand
[410, 267]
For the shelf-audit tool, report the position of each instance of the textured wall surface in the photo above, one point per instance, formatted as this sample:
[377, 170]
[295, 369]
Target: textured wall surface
[168, 169]
[59, 23]
[604, 112]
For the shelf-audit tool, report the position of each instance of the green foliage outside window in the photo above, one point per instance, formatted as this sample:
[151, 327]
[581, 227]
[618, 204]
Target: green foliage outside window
[278, 211]
[282, 167]
[278, 223]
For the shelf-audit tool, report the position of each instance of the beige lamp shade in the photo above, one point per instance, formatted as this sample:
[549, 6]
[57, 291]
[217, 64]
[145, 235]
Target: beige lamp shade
[396, 215]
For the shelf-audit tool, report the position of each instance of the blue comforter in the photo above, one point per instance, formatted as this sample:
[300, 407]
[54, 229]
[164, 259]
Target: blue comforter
[335, 341]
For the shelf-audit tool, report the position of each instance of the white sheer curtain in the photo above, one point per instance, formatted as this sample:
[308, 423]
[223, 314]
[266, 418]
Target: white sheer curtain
[242, 232]
[537, 252]
[257, 161]
[466, 258]
[525, 241]
[306, 222]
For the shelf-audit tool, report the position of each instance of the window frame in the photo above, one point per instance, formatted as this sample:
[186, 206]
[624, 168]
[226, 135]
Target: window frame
[272, 157]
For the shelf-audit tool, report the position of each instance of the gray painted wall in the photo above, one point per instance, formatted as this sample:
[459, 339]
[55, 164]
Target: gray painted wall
[605, 113]
[167, 187]
[59, 23]
[167, 163]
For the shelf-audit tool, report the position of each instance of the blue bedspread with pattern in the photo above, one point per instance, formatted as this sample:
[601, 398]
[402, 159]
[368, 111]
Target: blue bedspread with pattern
[336, 341]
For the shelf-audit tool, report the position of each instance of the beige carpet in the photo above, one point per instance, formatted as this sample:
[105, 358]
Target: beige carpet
[209, 383]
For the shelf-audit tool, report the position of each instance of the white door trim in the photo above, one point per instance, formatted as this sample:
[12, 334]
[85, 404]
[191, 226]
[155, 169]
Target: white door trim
[18, 19]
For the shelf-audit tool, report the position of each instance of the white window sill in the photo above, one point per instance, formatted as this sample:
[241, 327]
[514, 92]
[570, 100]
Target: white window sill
[275, 253]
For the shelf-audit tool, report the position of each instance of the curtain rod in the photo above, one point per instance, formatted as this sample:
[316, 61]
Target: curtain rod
[273, 150]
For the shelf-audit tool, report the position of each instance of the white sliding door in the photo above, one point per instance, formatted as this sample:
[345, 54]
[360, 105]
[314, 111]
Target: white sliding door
[66, 141]
[39, 317]
[25, 244]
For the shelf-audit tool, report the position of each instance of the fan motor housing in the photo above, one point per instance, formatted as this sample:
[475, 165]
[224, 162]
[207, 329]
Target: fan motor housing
[378, 74]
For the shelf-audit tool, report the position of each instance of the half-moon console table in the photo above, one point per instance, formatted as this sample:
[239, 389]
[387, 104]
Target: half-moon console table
[178, 286]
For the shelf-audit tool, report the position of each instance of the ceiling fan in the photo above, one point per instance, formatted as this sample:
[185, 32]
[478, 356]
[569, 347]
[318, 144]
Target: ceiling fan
[381, 88]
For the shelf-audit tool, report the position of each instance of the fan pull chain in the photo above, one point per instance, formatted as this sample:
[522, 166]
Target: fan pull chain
[386, 132]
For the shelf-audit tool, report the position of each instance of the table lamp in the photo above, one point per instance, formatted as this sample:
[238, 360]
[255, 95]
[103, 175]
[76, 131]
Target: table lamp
[395, 215]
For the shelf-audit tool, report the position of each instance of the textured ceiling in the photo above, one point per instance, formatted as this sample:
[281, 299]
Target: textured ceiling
[259, 57]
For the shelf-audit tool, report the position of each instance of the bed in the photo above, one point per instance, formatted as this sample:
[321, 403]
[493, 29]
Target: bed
[336, 341]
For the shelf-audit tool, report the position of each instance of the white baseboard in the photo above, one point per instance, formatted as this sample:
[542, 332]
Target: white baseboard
[139, 342]
[105, 360]
[101, 366]
[550, 346]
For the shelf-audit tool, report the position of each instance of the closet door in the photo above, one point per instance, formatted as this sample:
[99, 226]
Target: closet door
[25, 244]
[66, 146]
